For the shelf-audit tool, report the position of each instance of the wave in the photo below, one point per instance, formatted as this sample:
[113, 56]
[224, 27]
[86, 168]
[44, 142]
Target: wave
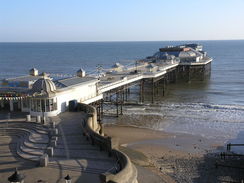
[191, 112]
[224, 107]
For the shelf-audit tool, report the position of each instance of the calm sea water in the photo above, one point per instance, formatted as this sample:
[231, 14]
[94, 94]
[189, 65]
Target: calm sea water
[214, 108]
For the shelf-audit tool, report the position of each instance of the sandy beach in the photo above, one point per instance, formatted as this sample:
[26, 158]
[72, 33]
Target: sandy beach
[173, 157]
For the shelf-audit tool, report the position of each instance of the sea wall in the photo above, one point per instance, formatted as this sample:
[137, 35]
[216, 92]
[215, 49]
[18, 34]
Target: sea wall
[125, 172]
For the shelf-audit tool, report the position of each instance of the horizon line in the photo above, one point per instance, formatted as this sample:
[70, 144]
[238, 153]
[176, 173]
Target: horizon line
[119, 41]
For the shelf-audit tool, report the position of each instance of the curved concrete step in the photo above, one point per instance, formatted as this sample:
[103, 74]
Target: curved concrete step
[78, 147]
[32, 135]
[23, 146]
[35, 145]
[15, 131]
[38, 138]
[30, 126]
[74, 139]
[83, 164]
[26, 156]
[77, 168]
[87, 154]
[61, 143]
[31, 151]
[8, 133]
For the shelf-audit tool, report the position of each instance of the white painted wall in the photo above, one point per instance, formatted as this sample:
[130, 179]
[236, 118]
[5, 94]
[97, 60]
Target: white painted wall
[79, 93]
[63, 96]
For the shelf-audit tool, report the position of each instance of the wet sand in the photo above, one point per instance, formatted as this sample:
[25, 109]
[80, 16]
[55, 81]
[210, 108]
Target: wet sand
[172, 157]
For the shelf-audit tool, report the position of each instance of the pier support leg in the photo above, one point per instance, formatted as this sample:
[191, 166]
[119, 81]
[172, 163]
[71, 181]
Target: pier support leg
[175, 75]
[189, 74]
[127, 93]
[163, 86]
[141, 95]
[102, 108]
[121, 102]
[143, 90]
[117, 105]
[153, 91]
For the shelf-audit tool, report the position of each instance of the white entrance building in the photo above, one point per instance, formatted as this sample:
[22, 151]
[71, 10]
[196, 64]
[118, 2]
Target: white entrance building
[41, 96]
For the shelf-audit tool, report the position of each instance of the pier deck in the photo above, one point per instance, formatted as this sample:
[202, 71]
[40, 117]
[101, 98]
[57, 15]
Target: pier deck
[114, 80]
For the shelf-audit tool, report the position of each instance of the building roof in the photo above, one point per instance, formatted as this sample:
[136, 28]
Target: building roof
[74, 81]
[117, 65]
[24, 78]
[151, 66]
[43, 85]
[181, 54]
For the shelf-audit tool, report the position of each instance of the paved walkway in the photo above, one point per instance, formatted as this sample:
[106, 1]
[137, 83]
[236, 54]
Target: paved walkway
[74, 152]
[74, 156]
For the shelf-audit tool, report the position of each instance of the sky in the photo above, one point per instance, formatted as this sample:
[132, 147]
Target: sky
[120, 20]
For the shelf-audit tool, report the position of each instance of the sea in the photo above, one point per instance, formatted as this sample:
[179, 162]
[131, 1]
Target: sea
[213, 108]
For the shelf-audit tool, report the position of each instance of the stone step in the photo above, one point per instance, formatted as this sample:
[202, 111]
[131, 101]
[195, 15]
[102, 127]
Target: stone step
[31, 151]
[27, 156]
[15, 132]
[78, 147]
[33, 136]
[61, 142]
[78, 168]
[30, 129]
[103, 165]
[77, 154]
[73, 139]
[38, 138]
[8, 133]
[23, 124]
[26, 135]
[35, 145]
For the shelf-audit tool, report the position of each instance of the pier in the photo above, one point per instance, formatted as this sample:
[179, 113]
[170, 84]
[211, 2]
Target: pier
[43, 96]
[114, 88]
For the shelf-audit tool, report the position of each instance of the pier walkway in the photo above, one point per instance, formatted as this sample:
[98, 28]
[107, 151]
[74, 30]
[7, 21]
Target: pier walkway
[113, 88]
[124, 77]
[114, 80]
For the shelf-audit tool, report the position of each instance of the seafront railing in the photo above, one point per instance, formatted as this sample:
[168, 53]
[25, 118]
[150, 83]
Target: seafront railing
[126, 171]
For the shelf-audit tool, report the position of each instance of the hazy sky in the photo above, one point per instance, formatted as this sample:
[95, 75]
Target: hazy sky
[120, 20]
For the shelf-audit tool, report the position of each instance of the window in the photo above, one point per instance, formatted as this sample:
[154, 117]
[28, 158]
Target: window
[38, 101]
[47, 106]
[43, 105]
[25, 102]
[51, 104]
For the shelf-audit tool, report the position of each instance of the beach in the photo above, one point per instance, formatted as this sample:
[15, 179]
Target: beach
[172, 157]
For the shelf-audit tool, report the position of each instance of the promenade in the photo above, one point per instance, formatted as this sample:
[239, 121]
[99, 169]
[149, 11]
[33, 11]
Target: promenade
[73, 155]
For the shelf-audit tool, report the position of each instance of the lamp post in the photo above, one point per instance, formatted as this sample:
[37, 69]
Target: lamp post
[99, 70]
[16, 177]
[68, 179]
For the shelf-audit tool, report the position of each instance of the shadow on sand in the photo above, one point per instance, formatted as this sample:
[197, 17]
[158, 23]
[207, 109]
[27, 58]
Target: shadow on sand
[218, 169]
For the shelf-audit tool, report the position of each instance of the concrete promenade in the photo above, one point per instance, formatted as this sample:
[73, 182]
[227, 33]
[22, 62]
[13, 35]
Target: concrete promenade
[73, 155]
